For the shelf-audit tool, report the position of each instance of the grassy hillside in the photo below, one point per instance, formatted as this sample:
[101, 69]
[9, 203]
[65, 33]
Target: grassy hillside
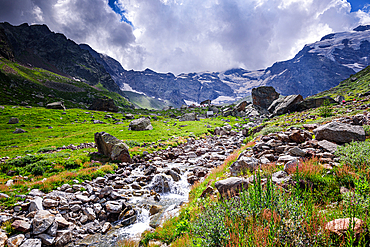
[32, 86]
[351, 87]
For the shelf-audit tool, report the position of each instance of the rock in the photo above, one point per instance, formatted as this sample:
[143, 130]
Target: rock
[103, 104]
[231, 185]
[62, 222]
[296, 151]
[75, 208]
[63, 238]
[287, 104]
[9, 183]
[42, 221]
[207, 191]
[280, 177]
[141, 124]
[13, 120]
[46, 239]
[21, 226]
[328, 146]
[339, 99]
[106, 227]
[32, 243]
[49, 203]
[19, 131]
[296, 136]
[192, 116]
[112, 147]
[3, 239]
[36, 204]
[340, 132]
[113, 207]
[243, 164]
[176, 177]
[314, 103]
[264, 96]
[56, 105]
[154, 209]
[82, 198]
[36, 192]
[340, 226]
[2, 196]
[241, 106]
[286, 158]
[310, 126]
[89, 212]
[161, 183]
[291, 166]
[15, 241]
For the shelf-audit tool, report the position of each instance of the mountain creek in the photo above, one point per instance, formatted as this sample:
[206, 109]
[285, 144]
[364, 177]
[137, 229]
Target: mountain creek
[142, 193]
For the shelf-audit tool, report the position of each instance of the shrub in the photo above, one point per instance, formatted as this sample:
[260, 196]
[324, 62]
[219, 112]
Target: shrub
[354, 154]
[71, 164]
[46, 149]
[132, 143]
[325, 110]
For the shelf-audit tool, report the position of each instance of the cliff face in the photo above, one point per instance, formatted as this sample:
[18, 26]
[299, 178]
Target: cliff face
[37, 46]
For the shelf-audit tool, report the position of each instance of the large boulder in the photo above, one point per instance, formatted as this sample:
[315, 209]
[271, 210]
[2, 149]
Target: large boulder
[283, 105]
[339, 132]
[314, 103]
[192, 116]
[103, 104]
[231, 185]
[112, 147]
[13, 120]
[56, 105]
[264, 96]
[141, 124]
[341, 226]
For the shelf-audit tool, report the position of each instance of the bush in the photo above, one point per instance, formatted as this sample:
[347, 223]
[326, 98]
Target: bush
[132, 143]
[71, 164]
[354, 154]
[325, 110]
[46, 149]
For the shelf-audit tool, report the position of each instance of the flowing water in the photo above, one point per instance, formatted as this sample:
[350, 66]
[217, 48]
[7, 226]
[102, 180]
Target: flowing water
[173, 195]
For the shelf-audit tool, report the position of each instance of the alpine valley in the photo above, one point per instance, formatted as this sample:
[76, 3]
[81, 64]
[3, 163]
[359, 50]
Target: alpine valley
[317, 67]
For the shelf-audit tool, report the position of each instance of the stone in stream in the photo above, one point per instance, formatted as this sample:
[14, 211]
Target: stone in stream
[112, 147]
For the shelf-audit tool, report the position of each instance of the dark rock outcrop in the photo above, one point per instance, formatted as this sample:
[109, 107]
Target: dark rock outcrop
[104, 104]
[264, 96]
[112, 147]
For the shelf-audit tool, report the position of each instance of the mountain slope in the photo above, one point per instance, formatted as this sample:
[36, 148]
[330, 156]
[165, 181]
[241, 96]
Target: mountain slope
[37, 46]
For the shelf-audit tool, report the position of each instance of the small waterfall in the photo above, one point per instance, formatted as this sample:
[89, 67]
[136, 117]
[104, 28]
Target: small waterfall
[135, 230]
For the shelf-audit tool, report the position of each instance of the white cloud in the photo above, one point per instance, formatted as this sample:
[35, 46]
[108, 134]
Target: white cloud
[191, 35]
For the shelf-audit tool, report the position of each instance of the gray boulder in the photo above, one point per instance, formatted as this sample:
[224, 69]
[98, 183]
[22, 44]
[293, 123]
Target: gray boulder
[19, 131]
[13, 120]
[283, 105]
[231, 185]
[264, 96]
[339, 132]
[192, 116]
[140, 124]
[112, 147]
[241, 106]
[42, 221]
[243, 164]
[56, 105]
[103, 104]
[34, 242]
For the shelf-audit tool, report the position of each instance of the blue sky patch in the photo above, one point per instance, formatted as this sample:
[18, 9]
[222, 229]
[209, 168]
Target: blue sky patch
[358, 4]
[114, 6]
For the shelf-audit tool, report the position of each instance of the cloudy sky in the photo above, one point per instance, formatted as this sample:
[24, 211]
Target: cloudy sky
[192, 35]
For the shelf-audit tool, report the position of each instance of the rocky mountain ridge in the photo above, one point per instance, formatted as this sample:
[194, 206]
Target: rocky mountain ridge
[317, 67]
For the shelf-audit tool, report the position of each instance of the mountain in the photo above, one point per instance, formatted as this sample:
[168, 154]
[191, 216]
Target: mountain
[38, 66]
[317, 67]
[37, 46]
